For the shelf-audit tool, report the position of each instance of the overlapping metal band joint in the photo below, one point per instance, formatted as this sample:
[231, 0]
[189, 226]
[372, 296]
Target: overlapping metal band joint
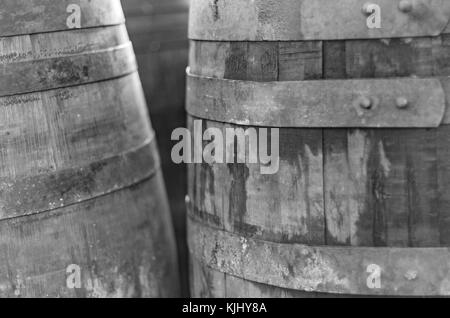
[371, 103]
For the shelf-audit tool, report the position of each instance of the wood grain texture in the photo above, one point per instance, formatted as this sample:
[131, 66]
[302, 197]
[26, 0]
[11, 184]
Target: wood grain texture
[83, 210]
[31, 63]
[284, 207]
[44, 192]
[38, 16]
[158, 30]
[424, 56]
[382, 187]
[379, 187]
[122, 243]
[57, 129]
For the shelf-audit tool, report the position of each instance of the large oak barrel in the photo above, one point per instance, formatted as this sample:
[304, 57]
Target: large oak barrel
[360, 202]
[158, 30]
[83, 210]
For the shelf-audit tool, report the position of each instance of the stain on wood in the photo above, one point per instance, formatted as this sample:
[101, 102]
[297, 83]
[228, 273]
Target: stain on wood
[83, 209]
[30, 63]
[286, 206]
[390, 188]
[362, 187]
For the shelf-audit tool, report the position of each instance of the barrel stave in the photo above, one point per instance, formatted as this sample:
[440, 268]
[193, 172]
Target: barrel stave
[360, 194]
[380, 187]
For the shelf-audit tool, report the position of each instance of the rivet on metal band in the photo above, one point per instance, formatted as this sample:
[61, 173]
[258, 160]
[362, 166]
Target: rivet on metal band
[360, 103]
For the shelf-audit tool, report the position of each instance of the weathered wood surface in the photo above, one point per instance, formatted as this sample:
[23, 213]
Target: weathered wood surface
[372, 187]
[44, 192]
[158, 30]
[19, 17]
[63, 146]
[53, 130]
[122, 243]
[30, 63]
[83, 209]
[286, 206]
[296, 20]
[384, 186]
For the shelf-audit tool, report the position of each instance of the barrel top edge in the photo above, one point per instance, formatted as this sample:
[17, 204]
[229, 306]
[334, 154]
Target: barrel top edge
[300, 20]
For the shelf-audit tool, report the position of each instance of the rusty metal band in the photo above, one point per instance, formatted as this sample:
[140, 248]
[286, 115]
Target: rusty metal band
[36, 16]
[366, 103]
[41, 193]
[338, 270]
[297, 20]
[66, 70]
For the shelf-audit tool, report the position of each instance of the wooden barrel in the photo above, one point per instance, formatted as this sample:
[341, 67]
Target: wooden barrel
[83, 210]
[360, 202]
[158, 30]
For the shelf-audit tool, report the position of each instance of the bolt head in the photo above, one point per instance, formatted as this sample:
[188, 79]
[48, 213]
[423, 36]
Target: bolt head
[365, 102]
[402, 102]
[405, 6]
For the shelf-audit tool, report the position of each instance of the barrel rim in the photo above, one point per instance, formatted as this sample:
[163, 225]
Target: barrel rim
[21, 17]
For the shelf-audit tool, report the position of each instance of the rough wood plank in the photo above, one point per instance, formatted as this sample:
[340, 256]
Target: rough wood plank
[236, 61]
[341, 59]
[57, 129]
[121, 242]
[381, 185]
[300, 60]
[263, 62]
[285, 207]
[29, 195]
[31, 63]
